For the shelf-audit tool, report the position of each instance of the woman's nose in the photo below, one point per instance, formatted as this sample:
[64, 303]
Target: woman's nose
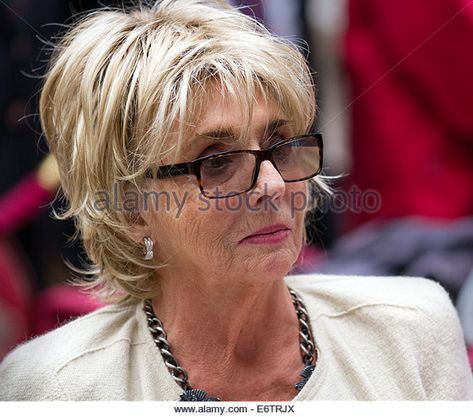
[269, 185]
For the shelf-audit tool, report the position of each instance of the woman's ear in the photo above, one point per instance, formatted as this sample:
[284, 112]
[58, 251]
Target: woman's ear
[138, 228]
[138, 217]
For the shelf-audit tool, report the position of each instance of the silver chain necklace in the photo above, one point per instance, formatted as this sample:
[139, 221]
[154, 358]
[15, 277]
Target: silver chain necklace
[308, 348]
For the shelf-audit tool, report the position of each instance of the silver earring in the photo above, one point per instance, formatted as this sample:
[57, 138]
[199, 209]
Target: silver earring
[148, 248]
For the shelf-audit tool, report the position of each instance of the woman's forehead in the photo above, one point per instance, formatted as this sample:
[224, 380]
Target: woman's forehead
[224, 114]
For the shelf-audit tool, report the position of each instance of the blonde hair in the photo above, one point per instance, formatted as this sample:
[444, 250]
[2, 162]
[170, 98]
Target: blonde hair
[119, 83]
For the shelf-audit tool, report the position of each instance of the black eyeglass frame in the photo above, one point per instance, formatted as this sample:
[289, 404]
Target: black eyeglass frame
[193, 167]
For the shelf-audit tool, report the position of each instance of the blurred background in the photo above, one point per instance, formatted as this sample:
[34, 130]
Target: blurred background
[395, 95]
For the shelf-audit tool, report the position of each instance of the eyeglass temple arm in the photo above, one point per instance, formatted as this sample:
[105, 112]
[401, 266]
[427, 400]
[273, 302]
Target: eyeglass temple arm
[167, 171]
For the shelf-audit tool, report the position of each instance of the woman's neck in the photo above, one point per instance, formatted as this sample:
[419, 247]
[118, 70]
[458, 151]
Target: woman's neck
[240, 333]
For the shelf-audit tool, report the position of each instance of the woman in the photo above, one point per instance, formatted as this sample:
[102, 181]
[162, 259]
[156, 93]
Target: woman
[183, 138]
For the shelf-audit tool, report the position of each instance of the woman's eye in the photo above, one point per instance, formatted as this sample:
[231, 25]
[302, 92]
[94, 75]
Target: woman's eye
[215, 163]
[283, 153]
[220, 163]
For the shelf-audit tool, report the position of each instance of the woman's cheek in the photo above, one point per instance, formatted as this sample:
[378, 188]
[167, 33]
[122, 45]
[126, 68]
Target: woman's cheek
[298, 200]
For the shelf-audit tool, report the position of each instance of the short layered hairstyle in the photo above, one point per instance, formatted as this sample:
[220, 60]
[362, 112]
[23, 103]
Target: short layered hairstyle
[121, 81]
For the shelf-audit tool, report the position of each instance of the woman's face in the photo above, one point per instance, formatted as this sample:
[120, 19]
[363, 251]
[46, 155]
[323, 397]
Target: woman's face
[256, 235]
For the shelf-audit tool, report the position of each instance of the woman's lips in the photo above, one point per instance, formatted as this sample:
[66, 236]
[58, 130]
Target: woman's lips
[272, 234]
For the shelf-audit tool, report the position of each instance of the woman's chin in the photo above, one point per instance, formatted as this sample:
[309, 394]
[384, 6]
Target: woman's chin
[273, 265]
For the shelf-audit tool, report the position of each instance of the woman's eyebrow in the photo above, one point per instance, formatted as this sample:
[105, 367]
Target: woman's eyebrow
[217, 134]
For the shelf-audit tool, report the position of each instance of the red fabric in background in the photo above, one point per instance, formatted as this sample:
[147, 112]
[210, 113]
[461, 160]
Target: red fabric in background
[411, 70]
[469, 350]
[22, 313]
[17, 207]
[22, 203]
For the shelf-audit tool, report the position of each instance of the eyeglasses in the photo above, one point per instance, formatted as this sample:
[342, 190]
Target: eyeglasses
[231, 173]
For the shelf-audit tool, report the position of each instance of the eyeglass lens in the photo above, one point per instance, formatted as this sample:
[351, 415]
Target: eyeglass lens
[230, 174]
